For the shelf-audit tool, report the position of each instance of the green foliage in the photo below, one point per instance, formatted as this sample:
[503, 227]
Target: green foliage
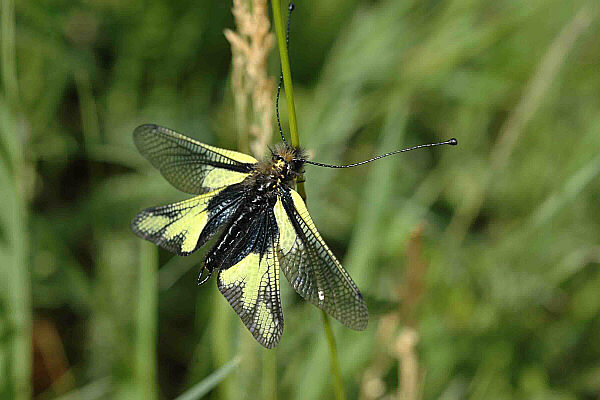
[509, 305]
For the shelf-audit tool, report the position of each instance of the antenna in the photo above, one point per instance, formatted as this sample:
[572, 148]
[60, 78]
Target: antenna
[451, 142]
[291, 8]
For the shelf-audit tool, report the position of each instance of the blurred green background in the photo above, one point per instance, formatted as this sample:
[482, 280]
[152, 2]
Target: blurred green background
[479, 263]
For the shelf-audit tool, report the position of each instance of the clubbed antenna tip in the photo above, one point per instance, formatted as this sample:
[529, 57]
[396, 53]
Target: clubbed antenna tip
[451, 142]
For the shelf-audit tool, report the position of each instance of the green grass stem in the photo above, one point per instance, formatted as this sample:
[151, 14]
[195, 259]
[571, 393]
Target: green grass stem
[287, 82]
[289, 97]
[338, 386]
[287, 73]
[16, 289]
[147, 322]
[9, 65]
[269, 374]
[222, 337]
[210, 382]
[98, 389]
[15, 273]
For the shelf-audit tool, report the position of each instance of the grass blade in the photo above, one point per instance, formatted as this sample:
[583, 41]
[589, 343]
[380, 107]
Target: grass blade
[210, 382]
[15, 273]
[147, 321]
[98, 389]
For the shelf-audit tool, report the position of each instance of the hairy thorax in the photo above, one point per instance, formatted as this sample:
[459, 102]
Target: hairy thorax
[281, 169]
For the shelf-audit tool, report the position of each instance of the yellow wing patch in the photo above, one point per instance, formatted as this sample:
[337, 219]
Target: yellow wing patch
[176, 227]
[219, 178]
[312, 269]
[234, 155]
[252, 288]
[287, 233]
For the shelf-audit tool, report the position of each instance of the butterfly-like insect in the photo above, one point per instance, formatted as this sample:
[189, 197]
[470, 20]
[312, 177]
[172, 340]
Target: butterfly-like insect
[261, 222]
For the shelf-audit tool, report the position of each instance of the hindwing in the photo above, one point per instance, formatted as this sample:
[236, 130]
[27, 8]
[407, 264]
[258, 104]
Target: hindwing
[189, 165]
[185, 226]
[310, 266]
[251, 284]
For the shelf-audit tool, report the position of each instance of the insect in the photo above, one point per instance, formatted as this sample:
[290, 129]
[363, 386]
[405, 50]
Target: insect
[261, 223]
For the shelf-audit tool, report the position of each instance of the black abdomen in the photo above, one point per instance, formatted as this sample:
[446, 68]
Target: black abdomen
[251, 229]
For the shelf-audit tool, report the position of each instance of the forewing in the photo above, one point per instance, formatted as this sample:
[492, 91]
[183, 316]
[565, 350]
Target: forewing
[185, 226]
[189, 165]
[251, 286]
[312, 269]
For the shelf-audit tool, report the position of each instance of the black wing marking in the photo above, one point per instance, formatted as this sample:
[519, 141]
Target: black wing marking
[189, 165]
[251, 284]
[312, 269]
[185, 226]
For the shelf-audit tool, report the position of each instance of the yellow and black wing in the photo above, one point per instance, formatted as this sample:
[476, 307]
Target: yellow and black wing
[185, 226]
[189, 165]
[249, 280]
[310, 266]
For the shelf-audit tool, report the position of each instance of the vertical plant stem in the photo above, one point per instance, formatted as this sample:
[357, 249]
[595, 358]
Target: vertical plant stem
[15, 269]
[269, 378]
[16, 287]
[147, 320]
[287, 83]
[338, 387]
[221, 339]
[287, 73]
[9, 65]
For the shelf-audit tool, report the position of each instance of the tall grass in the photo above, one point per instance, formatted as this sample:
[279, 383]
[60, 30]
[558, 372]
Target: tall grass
[510, 305]
[147, 323]
[15, 352]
